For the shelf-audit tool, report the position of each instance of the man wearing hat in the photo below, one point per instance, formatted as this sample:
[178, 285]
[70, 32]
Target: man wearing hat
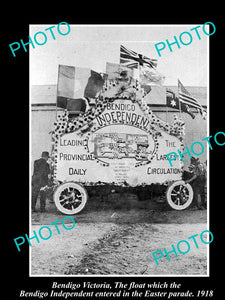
[40, 180]
[198, 181]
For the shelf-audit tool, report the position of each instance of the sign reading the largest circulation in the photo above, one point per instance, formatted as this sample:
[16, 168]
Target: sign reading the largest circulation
[121, 148]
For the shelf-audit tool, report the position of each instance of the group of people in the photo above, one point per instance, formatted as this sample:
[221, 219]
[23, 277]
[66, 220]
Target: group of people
[42, 175]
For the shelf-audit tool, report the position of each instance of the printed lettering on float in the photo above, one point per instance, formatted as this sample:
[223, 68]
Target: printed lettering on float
[120, 148]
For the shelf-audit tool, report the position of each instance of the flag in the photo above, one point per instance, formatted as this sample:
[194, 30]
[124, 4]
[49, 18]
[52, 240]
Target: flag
[188, 100]
[77, 83]
[131, 59]
[117, 71]
[174, 102]
[120, 72]
[147, 66]
[151, 76]
[76, 105]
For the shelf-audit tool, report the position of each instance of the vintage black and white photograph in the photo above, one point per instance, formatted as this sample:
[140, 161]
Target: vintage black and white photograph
[119, 150]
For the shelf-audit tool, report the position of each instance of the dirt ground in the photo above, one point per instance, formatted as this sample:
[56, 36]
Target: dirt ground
[118, 238]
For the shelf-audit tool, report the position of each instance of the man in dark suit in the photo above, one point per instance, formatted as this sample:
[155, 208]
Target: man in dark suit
[198, 182]
[40, 180]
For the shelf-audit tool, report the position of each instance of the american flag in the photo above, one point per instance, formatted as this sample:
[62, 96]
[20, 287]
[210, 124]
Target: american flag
[173, 101]
[186, 98]
[133, 60]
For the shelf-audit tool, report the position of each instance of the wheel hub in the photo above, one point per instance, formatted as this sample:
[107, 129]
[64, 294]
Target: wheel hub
[70, 197]
[179, 195]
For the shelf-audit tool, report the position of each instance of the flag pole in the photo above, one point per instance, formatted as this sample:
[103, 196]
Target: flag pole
[179, 98]
[166, 104]
[166, 112]
[56, 110]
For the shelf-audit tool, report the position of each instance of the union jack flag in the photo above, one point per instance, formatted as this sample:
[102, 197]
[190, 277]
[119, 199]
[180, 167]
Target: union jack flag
[133, 60]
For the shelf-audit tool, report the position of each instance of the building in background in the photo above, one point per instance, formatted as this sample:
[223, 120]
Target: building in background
[43, 115]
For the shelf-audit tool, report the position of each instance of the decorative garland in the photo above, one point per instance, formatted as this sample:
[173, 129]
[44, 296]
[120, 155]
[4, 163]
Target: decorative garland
[112, 90]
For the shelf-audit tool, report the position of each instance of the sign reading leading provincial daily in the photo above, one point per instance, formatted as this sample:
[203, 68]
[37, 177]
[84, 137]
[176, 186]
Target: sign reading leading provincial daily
[121, 148]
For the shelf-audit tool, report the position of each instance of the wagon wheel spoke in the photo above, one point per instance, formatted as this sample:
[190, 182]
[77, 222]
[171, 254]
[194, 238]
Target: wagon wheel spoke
[78, 200]
[177, 201]
[183, 189]
[65, 198]
[173, 194]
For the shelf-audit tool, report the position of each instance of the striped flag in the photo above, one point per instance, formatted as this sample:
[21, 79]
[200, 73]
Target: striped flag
[186, 98]
[174, 102]
[133, 60]
[75, 84]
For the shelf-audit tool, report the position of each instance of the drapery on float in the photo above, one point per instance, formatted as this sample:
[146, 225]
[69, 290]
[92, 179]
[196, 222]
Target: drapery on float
[117, 144]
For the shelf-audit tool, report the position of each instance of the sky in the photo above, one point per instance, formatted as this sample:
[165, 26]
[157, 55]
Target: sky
[91, 46]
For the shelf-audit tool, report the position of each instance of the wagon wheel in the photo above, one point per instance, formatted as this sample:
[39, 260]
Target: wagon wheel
[179, 195]
[70, 198]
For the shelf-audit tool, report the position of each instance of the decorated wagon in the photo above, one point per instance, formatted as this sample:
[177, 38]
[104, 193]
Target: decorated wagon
[117, 143]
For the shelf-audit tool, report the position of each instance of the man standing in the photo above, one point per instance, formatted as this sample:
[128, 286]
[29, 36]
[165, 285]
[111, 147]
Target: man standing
[40, 180]
[198, 181]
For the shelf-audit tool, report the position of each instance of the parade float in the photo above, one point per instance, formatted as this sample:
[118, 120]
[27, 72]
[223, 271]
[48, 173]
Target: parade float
[117, 144]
